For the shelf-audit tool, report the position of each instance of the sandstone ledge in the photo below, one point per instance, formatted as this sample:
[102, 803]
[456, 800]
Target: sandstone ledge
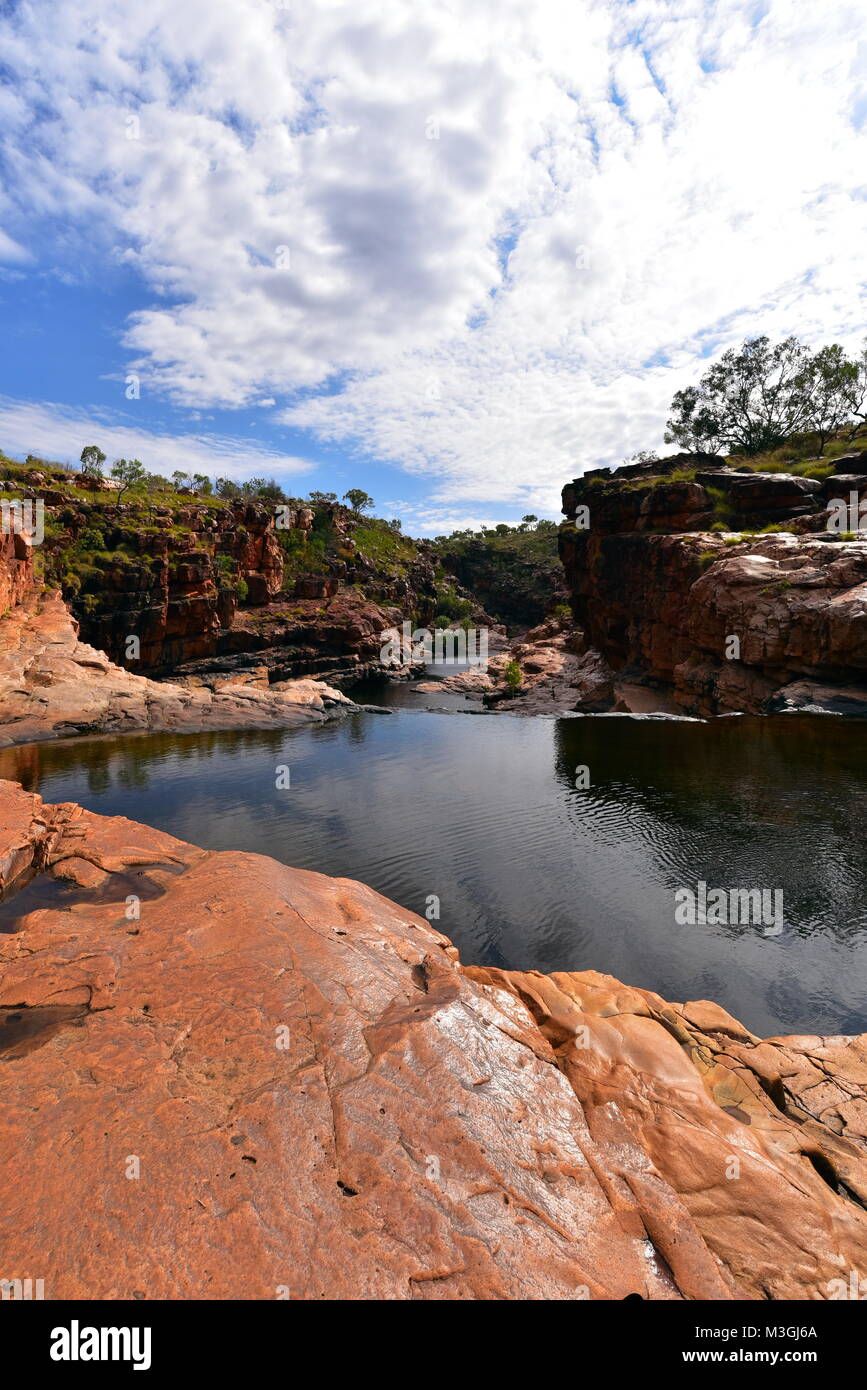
[322, 1103]
[52, 686]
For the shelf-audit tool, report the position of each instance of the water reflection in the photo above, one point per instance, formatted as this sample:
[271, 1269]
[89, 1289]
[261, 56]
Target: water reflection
[532, 871]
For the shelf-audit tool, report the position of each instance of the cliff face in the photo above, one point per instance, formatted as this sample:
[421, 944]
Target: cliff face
[166, 585]
[196, 580]
[517, 577]
[53, 685]
[16, 570]
[661, 596]
[260, 1082]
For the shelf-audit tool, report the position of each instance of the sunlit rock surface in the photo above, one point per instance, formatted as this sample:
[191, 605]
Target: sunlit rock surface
[52, 685]
[225, 1078]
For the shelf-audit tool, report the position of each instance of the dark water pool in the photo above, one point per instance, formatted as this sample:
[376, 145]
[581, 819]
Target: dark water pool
[531, 871]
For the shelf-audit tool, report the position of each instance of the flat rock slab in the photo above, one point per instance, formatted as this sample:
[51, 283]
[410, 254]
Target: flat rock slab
[52, 686]
[258, 1082]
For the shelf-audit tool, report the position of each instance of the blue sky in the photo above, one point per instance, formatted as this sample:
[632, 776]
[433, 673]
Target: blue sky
[453, 255]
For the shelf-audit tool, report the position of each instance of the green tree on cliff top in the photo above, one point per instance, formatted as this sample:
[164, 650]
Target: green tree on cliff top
[358, 499]
[758, 396]
[92, 460]
[130, 473]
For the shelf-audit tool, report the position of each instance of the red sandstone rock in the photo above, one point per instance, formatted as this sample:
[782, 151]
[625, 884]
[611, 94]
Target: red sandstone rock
[52, 685]
[274, 1083]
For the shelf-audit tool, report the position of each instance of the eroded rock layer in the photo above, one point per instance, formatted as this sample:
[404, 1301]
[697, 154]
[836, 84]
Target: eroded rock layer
[52, 685]
[269, 1083]
[671, 586]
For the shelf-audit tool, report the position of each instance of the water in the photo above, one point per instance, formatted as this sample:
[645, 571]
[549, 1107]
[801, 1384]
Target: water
[531, 872]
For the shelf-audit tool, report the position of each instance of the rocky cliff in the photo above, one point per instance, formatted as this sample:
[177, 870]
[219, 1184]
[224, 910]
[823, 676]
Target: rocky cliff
[198, 582]
[517, 575]
[225, 1078]
[722, 584]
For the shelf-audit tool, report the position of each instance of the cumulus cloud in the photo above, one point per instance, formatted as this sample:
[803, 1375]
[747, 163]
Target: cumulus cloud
[59, 433]
[485, 242]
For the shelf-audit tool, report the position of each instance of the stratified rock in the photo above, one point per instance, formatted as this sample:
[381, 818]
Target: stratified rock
[670, 605]
[274, 1084]
[52, 685]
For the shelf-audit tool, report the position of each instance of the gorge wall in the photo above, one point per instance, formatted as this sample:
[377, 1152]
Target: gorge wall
[666, 562]
[204, 584]
[517, 577]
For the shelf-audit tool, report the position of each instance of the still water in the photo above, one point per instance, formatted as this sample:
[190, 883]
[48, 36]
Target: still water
[532, 872]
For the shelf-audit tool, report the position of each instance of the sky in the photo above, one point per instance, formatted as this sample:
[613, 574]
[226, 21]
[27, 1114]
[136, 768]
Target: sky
[452, 253]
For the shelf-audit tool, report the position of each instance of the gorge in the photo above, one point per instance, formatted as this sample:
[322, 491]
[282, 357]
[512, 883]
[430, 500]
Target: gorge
[519, 1125]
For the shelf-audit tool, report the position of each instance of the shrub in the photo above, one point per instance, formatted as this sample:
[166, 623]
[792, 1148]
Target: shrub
[90, 538]
[512, 674]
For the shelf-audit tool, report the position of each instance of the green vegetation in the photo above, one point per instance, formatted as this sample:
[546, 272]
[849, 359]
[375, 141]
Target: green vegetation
[130, 473]
[92, 460]
[512, 675]
[358, 499]
[758, 397]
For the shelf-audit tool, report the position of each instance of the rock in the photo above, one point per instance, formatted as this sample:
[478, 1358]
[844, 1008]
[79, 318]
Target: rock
[16, 570]
[853, 462]
[276, 1084]
[811, 697]
[594, 683]
[674, 507]
[316, 586]
[52, 685]
[668, 606]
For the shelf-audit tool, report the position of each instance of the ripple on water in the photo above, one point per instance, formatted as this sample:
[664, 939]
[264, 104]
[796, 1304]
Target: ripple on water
[529, 870]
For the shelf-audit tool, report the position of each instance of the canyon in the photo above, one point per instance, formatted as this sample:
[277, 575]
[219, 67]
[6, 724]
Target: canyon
[262, 1082]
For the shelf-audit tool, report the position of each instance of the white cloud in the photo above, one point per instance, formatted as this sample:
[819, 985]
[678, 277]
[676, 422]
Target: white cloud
[59, 433]
[11, 250]
[616, 188]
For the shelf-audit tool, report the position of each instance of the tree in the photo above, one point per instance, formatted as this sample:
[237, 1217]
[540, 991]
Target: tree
[836, 389]
[228, 489]
[269, 490]
[130, 473]
[322, 499]
[358, 499]
[92, 460]
[512, 673]
[202, 484]
[756, 398]
[856, 392]
[180, 479]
